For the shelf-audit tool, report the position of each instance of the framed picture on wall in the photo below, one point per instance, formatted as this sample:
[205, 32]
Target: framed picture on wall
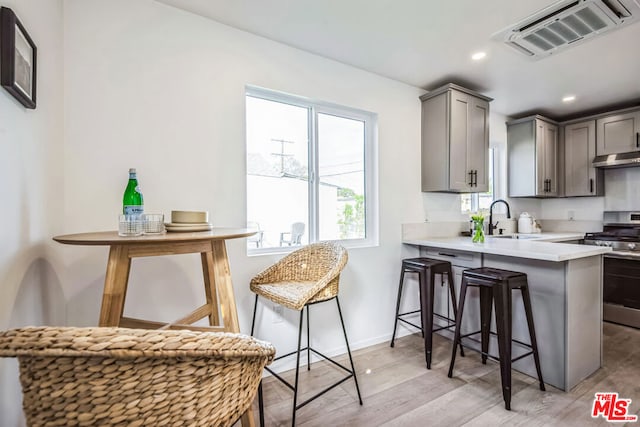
[17, 59]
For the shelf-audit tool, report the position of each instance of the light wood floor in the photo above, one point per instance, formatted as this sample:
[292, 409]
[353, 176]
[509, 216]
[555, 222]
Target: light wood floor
[398, 390]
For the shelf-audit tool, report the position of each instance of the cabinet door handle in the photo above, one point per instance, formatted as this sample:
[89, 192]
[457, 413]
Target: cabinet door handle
[637, 139]
[471, 178]
[549, 185]
[545, 189]
[591, 185]
[446, 254]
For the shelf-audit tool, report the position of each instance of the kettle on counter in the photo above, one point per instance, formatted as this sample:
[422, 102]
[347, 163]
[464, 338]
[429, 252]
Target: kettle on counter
[525, 223]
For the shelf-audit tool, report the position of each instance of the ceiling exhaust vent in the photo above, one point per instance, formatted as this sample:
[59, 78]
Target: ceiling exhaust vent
[567, 23]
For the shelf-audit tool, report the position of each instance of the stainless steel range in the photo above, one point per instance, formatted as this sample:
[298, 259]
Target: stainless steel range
[621, 274]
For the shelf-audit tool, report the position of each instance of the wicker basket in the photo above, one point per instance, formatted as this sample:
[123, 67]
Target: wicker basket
[116, 376]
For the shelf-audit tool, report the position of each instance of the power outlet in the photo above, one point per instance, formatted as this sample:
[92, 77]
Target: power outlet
[571, 214]
[278, 313]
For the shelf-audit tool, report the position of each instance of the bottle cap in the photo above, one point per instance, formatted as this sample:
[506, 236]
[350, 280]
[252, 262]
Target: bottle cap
[132, 170]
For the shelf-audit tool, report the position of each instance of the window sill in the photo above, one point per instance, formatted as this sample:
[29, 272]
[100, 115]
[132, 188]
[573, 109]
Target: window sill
[283, 250]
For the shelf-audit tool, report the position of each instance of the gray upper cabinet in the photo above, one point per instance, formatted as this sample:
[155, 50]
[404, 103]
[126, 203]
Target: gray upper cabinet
[455, 140]
[581, 178]
[532, 150]
[618, 133]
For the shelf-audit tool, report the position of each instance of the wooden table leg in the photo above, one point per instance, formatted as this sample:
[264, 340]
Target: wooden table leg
[219, 277]
[115, 286]
[210, 287]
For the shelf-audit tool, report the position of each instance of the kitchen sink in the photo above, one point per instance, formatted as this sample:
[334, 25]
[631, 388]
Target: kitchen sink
[514, 236]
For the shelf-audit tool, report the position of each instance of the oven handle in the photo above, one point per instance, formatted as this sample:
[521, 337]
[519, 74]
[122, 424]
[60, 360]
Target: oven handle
[618, 255]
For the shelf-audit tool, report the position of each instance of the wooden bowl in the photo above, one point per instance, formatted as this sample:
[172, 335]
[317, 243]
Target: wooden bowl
[190, 217]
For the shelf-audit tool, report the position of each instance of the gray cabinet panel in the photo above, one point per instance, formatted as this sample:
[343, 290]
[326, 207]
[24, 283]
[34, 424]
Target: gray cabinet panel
[532, 150]
[618, 133]
[435, 152]
[581, 178]
[521, 148]
[550, 150]
[459, 178]
[478, 147]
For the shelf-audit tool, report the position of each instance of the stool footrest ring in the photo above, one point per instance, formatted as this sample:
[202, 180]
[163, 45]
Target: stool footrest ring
[327, 358]
[489, 355]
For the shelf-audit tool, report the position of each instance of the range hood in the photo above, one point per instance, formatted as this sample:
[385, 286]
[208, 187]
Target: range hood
[620, 160]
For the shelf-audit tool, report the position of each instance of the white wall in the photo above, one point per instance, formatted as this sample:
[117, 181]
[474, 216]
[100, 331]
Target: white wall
[31, 168]
[156, 88]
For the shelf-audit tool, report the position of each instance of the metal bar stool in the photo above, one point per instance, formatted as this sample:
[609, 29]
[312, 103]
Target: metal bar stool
[427, 268]
[495, 287]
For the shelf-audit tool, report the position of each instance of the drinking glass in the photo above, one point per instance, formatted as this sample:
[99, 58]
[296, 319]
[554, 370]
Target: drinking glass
[153, 223]
[129, 225]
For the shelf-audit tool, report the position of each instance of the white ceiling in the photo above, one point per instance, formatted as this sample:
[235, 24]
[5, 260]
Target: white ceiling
[429, 42]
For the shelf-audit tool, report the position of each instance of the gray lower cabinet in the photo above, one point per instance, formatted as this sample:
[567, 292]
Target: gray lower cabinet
[532, 151]
[455, 140]
[618, 133]
[581, 178]
[460, 261]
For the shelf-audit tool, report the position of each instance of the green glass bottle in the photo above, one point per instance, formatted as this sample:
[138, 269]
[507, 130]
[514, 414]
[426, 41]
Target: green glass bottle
[132, 202]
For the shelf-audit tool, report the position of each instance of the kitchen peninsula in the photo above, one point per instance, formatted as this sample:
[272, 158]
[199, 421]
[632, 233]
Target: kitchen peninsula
[565, 282]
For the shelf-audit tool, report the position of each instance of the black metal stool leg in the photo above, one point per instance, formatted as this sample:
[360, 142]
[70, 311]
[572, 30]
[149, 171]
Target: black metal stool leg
[502, 297]
[261, 404]
[486, 305]
[395, 325]
[253, 322]
[420, 300]
[346, 340]
[454, 303]
[308, 347]
[456, 335]
[526, 299]
[295, 386]
[426, 295]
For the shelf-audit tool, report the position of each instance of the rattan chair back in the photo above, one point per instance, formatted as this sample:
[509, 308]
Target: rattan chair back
[311, 273]
[115, 376]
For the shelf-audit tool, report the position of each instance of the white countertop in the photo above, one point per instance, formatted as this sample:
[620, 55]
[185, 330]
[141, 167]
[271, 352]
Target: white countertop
[532, 246]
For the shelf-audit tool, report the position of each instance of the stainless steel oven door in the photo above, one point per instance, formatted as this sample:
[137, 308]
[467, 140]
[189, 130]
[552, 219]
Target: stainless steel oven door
[621, 288]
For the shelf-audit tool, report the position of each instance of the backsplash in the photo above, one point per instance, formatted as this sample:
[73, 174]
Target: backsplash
[622, 189]
[435, 229]
[575, 226]
[574, 214]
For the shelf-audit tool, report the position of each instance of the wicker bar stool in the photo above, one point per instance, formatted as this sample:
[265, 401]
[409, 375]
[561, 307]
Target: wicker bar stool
[303, 278]
[426, 268]
[116, 376]
[496, 286]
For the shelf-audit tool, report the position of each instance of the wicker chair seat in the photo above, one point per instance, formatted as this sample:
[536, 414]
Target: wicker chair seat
[116, 376]
[293, 295]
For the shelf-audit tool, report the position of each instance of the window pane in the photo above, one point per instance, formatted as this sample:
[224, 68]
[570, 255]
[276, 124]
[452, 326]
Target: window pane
[341, 206]
[277, 173]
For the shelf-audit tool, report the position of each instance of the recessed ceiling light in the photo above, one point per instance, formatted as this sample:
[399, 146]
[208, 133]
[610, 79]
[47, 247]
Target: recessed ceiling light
[569, 98]
[478, 56]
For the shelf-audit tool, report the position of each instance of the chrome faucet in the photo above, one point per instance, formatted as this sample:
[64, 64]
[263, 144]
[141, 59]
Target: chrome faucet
[492, 227]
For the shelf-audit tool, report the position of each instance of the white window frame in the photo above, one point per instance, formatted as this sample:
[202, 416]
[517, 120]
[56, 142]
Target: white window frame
[314, 108]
